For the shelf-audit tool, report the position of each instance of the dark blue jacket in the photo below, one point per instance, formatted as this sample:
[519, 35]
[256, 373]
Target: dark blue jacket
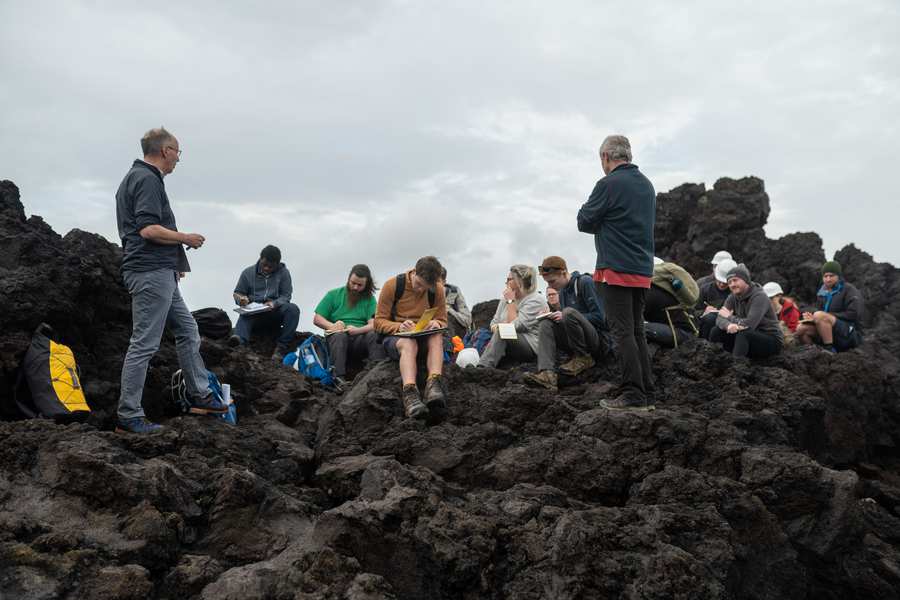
[581, 295]
[621, 213]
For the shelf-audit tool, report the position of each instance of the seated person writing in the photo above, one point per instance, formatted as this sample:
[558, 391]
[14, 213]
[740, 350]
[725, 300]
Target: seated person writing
[713, 293]
[267, 282]
[347, 314]
[835, 323]
[520, 306]
[402, 302]
[746, 325]
[579, 326]
[785, 309]
[459, 317]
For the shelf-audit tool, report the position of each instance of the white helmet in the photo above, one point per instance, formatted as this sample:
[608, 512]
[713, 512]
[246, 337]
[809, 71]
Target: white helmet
[467, 357]
[720, 256]
[657, 261]
[721, 270]
[772, 289]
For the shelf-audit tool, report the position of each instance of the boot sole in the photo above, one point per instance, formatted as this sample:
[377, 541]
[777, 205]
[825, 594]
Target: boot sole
[207, 411]
[418, 413]
[646, 408]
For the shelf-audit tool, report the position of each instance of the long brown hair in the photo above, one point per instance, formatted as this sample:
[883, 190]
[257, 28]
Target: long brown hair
[361, 271]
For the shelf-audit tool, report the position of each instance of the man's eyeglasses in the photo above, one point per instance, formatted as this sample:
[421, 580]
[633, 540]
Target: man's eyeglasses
[177, 151]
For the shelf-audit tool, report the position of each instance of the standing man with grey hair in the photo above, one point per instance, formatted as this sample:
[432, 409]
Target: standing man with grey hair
[621, 213]
[153, 260]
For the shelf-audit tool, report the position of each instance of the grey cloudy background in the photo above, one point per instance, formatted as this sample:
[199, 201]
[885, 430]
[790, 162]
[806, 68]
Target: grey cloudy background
[334, 129]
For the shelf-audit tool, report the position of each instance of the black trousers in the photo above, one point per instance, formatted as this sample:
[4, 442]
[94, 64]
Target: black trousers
[707, 324]
[748, 343]
[342, 346]
[625, 315]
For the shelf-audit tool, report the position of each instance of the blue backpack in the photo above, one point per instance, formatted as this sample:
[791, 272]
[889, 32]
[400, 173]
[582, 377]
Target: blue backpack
[478, 339]
[312, 359]
[178, 389]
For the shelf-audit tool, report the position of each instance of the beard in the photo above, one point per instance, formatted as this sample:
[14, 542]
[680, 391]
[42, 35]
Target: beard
[353, 296]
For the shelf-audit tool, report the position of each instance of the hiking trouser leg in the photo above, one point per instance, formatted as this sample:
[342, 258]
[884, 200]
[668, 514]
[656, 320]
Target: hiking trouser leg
[151, 295]
[495, 350]
[338, 345]
[549, 333]
[755, 344]
[581, 334]
[187, 346]
[289, 315]
[244, 328]
[624, 312]
[720, 336]
[707, 324]
[374, 347]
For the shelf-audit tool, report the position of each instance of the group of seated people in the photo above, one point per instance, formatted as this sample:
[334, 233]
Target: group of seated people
[724, 307]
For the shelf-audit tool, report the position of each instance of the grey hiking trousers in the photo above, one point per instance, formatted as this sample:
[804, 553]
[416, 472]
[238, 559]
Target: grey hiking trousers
[155, 303]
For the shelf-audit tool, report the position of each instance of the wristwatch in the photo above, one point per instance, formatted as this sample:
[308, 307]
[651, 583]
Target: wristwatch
[510, 301]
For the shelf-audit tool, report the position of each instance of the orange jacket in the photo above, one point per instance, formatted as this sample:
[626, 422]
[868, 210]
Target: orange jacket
[410, 305]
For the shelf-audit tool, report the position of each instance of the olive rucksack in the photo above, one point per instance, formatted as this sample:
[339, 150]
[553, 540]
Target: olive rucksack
[53, 380]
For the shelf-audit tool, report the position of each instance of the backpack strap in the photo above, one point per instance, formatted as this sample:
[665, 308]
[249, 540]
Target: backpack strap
[400, 288]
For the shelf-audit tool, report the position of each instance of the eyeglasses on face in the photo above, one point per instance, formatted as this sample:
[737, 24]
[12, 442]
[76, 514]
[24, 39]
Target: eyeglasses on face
[177, 151]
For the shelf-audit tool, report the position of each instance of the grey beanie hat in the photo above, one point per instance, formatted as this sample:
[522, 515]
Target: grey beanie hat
[739, 271]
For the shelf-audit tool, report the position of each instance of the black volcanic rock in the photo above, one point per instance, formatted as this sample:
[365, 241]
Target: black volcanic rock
[770, 479]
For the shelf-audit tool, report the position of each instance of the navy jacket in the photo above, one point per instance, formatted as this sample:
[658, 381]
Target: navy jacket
[141, 201]
[621, 213]
[581, 295]
[846, 303]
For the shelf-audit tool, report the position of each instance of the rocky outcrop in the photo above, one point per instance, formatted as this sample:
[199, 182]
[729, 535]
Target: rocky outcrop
[776, 479]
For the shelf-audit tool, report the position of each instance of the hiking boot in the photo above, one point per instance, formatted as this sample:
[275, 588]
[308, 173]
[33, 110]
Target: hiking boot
[627, 401]
[577, 365]
[434, 393]
[137, 425]
[207, 406]
[412, 404]
[544, 379]
[234, 341]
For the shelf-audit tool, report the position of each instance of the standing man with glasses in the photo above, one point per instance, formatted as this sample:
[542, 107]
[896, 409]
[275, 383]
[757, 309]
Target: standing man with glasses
[621, 213]
[153, 261]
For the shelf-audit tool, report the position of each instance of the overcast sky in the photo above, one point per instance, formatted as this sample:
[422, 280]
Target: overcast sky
[380, 131]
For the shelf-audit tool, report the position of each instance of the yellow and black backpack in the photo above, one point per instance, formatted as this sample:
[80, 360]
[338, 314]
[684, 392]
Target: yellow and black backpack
[53, 380]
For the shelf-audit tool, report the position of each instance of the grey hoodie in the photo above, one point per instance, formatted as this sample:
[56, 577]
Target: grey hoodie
[752, 310]
[259, 288]
[526, 321]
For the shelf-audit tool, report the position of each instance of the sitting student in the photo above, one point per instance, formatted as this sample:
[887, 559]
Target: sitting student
[402, 302]
[520, 305]
[719, 257]
[552, 299]
[746, 325]
[459, 317]
[784, 307]
[347, 314]
[267, 282]
[713, 293]
[839, 308]
[579, 326]
[672, 293]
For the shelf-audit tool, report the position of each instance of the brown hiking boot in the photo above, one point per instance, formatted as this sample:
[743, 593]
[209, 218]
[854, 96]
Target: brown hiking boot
[577, 365]
[544, 379]
[412, 404]
[434, 393]
[626, 401]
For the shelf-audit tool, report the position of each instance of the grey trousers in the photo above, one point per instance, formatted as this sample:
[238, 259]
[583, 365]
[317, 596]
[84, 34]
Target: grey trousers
[155, 303]
[342, 346]
[498, 348]
[573, 332]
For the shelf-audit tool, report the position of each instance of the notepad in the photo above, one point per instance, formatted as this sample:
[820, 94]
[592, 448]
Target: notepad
[507, 331]
[423, 322]
[252, 308]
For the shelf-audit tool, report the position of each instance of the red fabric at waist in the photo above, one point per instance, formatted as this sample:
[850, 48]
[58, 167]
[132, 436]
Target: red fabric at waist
[621, 279]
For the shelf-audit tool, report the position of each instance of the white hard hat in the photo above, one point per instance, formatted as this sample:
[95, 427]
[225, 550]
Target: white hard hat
[720, 256]
[657, 261]
[721, 270]
[772, 289]
[467, 357]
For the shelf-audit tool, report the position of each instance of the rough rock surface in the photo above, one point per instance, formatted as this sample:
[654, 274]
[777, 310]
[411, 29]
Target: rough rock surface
[774, 479]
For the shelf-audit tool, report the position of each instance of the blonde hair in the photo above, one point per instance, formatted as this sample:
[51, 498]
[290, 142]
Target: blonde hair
[527, 277]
